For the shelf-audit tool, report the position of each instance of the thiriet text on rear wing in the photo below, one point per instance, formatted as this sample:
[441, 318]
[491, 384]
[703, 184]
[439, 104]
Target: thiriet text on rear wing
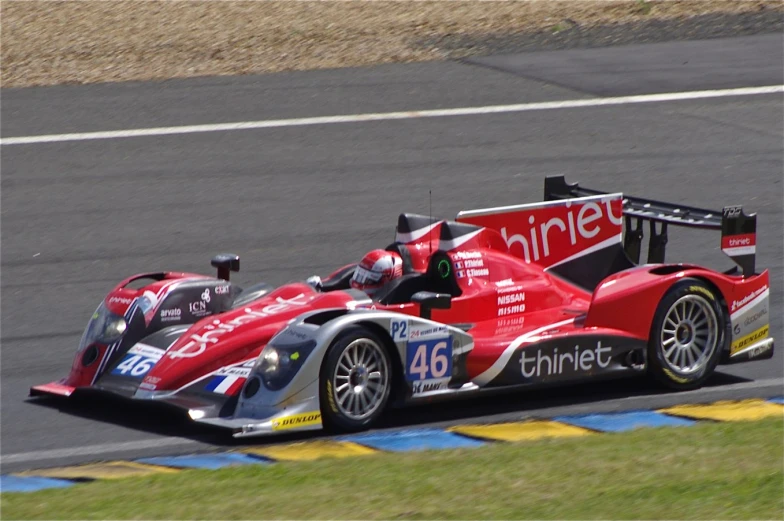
[738, 230]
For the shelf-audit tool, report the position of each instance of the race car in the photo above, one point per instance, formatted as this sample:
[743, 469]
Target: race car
[497, 299]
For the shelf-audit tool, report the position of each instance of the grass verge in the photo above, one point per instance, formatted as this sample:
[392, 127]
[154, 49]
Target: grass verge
[46, 43]
[708, 471]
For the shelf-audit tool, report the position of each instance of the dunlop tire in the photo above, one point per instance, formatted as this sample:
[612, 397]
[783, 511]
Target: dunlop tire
[333, 419]
[657, 367]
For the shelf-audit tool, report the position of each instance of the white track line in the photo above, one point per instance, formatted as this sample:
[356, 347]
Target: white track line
[387, 116]
[152, 443]
[41, 455]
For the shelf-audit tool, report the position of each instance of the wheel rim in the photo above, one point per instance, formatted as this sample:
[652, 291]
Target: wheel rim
[689, 335]
[361, 379]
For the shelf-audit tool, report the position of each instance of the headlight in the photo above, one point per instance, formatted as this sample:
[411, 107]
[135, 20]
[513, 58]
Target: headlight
[104, 327]
[270, 361]
[277, 365]
[115, 327]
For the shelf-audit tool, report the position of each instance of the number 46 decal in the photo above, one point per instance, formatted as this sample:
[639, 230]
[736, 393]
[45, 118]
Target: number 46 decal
[135, 365]
[429, 359]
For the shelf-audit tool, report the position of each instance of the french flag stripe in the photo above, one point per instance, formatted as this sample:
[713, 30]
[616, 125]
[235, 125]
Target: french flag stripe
[225, 384]
[236, 385]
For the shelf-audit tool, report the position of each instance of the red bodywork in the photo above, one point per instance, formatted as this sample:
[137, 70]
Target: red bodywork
[508, 266]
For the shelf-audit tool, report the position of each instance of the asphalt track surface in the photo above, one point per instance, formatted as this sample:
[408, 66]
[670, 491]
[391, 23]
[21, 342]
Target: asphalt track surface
[78, 216]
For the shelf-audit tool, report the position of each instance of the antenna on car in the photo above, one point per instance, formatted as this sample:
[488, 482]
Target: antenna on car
[430, 232]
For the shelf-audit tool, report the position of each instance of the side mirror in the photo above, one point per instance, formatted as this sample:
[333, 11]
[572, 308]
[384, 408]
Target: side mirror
[226, 262]
[429, 301]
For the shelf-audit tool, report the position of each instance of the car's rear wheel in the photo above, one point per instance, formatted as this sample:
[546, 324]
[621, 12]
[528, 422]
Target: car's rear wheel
[356, 380]
[687, 335]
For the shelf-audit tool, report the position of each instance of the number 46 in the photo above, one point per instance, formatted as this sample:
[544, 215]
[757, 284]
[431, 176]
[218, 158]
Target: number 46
[439, 363]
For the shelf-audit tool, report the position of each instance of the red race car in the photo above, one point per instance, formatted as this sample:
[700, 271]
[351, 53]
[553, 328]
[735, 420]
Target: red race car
[500, 298]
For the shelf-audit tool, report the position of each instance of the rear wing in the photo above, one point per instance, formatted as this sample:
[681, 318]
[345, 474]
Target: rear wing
[738, 230]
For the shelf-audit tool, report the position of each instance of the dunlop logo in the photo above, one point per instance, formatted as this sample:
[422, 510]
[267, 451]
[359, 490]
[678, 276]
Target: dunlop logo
[298, 420]
[747, 340]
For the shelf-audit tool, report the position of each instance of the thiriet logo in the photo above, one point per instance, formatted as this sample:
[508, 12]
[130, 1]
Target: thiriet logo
[574, 359]
[580, 228]
[211, 333]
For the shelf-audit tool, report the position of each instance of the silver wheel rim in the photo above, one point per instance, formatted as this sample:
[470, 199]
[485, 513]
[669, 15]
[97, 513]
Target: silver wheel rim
[689, 335]
[361, 379]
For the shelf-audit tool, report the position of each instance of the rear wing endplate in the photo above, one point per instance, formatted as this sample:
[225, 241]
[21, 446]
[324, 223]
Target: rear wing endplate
[738, 230]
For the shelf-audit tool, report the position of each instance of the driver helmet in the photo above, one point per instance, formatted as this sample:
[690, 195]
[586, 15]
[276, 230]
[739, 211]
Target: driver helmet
[376, 269]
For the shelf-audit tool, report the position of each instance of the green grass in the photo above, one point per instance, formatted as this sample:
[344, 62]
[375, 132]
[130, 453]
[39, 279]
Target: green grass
[708, 471]
[643, 6]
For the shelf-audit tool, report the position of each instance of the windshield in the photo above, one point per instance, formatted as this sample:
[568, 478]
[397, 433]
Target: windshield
[104, 327]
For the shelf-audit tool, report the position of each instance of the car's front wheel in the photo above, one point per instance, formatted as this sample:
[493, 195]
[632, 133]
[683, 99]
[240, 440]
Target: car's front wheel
[356, 379]
[687, 335]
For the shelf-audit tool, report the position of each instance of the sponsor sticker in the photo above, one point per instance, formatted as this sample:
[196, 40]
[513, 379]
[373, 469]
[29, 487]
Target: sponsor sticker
[749, 339]
[399, 330]
[221, 290]
[120, 300]
[198, 309]
[297, 420]
[171, 315]
[511, 310]
[197, 342]
[511, 298]
[420, 332]
[426, 387]
[760, 350]
[756, 316]
[535, 364]
[549, 232]
[467, 255]
[205, 296]
[742, 244]
[150, 383]
[138, 361]
[737, 304]
[428, 359]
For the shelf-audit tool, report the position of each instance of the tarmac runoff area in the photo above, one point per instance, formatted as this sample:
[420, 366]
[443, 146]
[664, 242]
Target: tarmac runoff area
[128, 204]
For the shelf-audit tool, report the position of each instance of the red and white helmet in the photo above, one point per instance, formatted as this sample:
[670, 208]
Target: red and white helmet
[376, 269]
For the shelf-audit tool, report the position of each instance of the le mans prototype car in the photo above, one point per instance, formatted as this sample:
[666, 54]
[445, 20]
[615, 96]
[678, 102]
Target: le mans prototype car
[504, 298]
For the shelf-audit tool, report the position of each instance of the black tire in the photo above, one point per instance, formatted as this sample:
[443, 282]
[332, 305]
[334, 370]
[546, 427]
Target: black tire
[687, 335]
[338, 411]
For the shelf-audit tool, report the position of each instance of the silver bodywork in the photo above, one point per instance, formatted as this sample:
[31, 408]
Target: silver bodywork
[296, 406]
